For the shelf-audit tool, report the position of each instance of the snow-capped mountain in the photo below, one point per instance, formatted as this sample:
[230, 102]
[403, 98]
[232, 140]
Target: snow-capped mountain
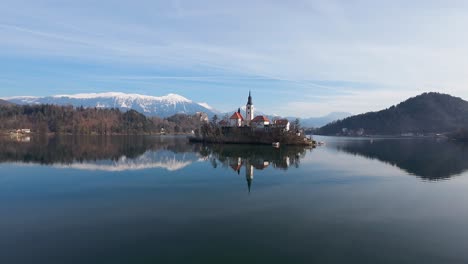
[3, 102]
[149, 105]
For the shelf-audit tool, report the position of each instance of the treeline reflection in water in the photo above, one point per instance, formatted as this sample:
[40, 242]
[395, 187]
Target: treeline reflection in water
[429, 159]
[117, 153]
[112, 153]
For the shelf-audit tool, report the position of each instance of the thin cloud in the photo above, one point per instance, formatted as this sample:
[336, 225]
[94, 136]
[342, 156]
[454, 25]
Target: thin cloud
[284, 50]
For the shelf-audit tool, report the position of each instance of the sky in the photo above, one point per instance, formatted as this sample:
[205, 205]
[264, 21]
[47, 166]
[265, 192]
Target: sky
[299, 58]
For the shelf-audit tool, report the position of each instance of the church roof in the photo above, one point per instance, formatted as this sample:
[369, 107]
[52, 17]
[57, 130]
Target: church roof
[236, 166]
[261, 166]
[281, 122]
[260, 118]
[237, 115]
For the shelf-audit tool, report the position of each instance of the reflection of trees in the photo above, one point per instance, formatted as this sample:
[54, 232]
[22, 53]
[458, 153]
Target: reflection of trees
[428, 159]
[70, 149]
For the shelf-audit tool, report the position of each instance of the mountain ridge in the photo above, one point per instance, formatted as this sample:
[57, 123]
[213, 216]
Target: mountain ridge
[162, 106]
[427, 113]
[4, 102]
[315, 122]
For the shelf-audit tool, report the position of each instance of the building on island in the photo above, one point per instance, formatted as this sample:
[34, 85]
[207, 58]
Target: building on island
[282, 123]
[260, 122]
[236, 119]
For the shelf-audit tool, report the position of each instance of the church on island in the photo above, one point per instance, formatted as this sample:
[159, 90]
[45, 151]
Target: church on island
[250, 129]
[259, 122]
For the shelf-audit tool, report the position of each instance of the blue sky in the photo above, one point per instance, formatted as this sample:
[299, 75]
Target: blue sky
[301, 58]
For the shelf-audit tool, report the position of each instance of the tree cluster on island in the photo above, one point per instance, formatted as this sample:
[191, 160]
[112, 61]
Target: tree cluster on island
[213, 132]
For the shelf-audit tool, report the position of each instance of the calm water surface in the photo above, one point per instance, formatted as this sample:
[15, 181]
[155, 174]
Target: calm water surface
[163, 200]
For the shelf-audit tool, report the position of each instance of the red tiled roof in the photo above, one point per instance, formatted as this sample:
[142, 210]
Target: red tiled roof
[260, 119]
[236, 167]
[260, 166]
[281, 122]
[237, 115]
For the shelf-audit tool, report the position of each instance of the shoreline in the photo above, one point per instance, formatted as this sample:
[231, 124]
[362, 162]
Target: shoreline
[233, 141]
[385, 136]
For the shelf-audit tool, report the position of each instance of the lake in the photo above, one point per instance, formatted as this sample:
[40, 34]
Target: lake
[151, 199]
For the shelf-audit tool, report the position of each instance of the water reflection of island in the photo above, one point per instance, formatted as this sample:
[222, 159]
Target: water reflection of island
[426, 158]
[115, 153]
[252, 158]
[122, 153]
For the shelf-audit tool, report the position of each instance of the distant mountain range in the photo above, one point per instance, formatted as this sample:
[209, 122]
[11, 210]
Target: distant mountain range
[323, 120]
[3, 102]
[163, 106]
[311, 122]
[424, 114]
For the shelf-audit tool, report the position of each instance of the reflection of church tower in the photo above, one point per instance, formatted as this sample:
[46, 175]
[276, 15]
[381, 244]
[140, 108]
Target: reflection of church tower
[249, 173]
[249, 110]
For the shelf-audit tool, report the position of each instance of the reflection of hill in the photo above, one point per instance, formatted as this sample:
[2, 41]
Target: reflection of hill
[114, 153]
[428, 159]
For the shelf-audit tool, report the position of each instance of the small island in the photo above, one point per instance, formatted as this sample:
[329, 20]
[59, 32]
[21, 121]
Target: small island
[251, 130]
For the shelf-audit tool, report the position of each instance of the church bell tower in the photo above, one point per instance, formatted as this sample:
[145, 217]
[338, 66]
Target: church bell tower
[249, 110]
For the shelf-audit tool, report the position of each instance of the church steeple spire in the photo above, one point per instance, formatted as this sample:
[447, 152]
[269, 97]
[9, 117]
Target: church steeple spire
[249, 101]
[249, 110]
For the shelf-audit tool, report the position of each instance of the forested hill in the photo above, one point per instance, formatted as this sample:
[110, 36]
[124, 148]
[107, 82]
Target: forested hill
[424, 114]
[44, 119]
